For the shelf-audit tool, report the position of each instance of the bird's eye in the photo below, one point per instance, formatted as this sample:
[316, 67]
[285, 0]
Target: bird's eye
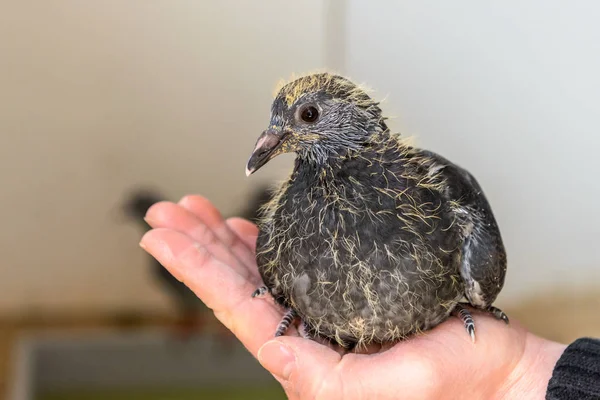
[309, 114]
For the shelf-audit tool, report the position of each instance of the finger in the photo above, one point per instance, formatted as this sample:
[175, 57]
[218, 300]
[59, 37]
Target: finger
[219, 286]
[211, 217]
[245, 229]
[169, 215]
[320, 372]
[402, 366]
[305, 368]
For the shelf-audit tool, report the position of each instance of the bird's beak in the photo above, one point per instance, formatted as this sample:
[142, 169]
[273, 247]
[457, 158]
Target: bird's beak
[268, 145]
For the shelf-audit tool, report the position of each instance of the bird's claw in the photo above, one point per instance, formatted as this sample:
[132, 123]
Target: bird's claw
[285, 323]
[303, 331]
[465, 316]
[260, 292]
[498, 313]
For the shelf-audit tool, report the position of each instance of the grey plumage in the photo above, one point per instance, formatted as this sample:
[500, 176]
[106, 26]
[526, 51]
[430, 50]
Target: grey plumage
[370, 240]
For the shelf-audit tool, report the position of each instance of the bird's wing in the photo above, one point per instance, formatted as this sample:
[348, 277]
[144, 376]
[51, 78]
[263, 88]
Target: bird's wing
[483, 264]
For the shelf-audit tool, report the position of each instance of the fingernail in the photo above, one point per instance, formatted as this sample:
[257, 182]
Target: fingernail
[277, 358]
[183, 200]
[142, 245]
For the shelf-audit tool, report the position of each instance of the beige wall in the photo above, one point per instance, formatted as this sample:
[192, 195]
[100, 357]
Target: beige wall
[99, 96]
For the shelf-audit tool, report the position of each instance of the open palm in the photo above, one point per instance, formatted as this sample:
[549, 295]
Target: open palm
[215, 258]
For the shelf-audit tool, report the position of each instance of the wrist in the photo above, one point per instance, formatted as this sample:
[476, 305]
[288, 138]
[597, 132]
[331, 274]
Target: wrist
[529, 379]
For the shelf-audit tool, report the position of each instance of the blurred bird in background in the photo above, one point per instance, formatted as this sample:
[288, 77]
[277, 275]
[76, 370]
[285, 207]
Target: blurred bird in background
[370, 240]
[192, 312]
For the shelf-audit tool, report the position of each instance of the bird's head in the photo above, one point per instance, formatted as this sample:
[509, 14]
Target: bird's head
[317, 116]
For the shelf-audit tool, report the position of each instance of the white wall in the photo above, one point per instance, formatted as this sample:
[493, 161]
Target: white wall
[510, 91]
[99, 96]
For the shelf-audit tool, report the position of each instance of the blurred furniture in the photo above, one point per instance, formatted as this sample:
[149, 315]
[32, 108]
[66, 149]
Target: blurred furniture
[145, 364]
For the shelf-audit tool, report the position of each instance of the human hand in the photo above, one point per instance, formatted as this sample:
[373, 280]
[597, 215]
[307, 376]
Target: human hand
[215, 258]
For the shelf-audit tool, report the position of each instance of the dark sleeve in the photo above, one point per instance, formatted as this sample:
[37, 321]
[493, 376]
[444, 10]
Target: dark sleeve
[576, 375]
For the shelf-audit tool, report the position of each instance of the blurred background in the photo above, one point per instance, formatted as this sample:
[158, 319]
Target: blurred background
[108, 106]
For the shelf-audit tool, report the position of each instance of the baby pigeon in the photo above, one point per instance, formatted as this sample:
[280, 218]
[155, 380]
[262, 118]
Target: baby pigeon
[370, 240]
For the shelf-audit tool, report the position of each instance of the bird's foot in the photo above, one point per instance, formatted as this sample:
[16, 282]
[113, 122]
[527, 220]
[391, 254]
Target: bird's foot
[285, 323]
[260, 292]
[303, 331]
[465, 316]
[498, 313]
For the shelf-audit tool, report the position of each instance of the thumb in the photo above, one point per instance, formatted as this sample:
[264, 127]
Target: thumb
[302, 366]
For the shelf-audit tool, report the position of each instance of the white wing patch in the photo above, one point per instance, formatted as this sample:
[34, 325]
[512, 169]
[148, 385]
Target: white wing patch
[476, 296]
[472, 287]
